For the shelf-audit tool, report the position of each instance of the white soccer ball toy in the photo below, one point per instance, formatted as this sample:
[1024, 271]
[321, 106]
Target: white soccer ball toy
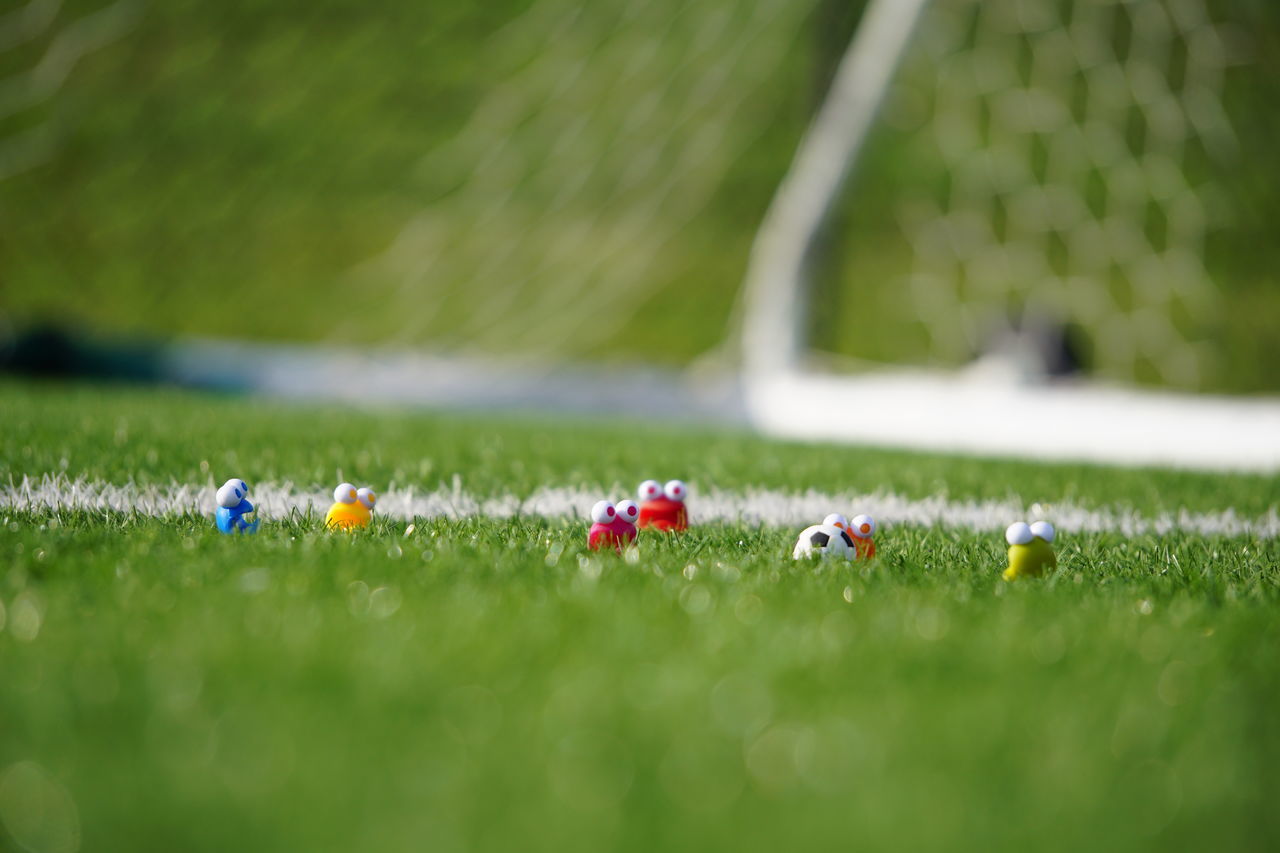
[232, 492]
[650, 490]
[824, 540]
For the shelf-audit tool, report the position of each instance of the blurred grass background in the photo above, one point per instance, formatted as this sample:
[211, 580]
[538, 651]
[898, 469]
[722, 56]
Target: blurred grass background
[222, 170]
[547, 178]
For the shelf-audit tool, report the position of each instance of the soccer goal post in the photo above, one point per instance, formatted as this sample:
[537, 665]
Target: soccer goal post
[776, 288]
[1064, 149]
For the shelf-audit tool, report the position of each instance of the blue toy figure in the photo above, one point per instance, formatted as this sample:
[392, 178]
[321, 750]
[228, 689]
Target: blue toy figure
[233, 506]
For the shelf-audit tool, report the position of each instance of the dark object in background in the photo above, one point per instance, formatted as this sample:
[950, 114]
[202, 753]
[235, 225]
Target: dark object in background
[387, 376]
[52, 352]
[1037, 346]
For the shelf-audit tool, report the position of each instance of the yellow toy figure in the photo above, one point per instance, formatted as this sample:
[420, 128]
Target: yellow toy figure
[1030, 550]
[351, 509]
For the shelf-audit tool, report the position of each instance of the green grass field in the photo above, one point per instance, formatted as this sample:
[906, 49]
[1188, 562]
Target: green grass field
[490, 685]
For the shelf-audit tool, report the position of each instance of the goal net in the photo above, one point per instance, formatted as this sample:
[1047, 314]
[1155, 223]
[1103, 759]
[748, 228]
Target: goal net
[553, 182]
[1039, 187]
[1042, 177]
[550, 181]
[586, 205]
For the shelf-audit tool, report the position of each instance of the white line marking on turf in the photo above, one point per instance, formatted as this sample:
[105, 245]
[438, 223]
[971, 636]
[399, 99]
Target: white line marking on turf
[751, 506]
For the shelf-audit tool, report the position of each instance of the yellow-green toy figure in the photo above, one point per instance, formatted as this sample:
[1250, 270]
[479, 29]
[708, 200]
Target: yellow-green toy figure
[1030, 550]
[351, 509]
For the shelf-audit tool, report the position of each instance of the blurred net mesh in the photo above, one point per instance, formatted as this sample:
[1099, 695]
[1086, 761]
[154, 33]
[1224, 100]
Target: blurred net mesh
[605, 132]
[1068, 133]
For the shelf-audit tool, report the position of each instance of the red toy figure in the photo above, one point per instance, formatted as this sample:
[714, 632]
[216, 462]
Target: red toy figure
[612, 527]
[662, 507]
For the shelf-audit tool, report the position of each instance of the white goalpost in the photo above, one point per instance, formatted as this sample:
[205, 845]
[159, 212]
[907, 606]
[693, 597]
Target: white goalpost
[774, 292]
[1003, 412]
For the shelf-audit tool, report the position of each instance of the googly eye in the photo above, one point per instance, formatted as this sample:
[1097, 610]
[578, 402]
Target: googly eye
[230, 495]
[650, 490]
[1019, 533]
[1043, 530]
[367, 497]
[836, 520]
[603, 512]
[345, 494]
[676, 490]
[862, 526]
[628, 511]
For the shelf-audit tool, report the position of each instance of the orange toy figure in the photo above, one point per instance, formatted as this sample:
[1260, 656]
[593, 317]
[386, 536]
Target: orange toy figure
[662, 507]
[862, 528]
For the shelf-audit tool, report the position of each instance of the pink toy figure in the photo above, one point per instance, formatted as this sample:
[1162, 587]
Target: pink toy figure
[625, 525]
[612, 527]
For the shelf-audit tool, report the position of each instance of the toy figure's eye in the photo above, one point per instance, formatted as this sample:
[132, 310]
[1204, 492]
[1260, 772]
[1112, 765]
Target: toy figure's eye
[1044, 530]
[650, 490]
[1018, 533]
[367, 497]
[229, 495]
[862, 526]
[837, 520]
[603, 512]
[628, 511]
[345, 494]
[676, 490]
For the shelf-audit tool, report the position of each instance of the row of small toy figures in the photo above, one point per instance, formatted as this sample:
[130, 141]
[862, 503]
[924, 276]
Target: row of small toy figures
[662, 508]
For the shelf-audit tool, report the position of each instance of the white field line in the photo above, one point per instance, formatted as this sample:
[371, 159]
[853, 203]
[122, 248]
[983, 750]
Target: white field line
[752, 506]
